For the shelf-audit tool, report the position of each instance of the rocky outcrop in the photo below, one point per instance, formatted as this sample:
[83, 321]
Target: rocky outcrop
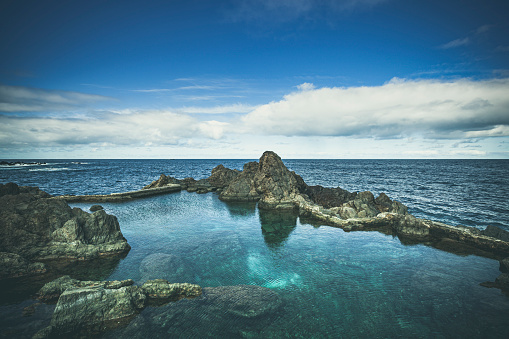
[329, 197]
[496, 232]
[274, 187]
[86, 308]
[34, 227]
[277, 186]
[91, 310]
[162, 181]
[242, 188]
[222, 176]
[95, 208]
[162, 290]
[51, 291]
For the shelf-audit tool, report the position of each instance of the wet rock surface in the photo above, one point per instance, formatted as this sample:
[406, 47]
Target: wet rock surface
[222, 176]
[92, 309]
[162, 181]
[35, 227]
[88, 308]
[162, 291]
[242, 188]
[53, 290]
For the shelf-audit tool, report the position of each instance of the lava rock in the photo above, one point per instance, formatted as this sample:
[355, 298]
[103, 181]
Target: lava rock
[94, 208]
[35, 227]
[221, 176]
[162, 181]
[496, 232]
[242, 187]
[89, 310]
[163, 290]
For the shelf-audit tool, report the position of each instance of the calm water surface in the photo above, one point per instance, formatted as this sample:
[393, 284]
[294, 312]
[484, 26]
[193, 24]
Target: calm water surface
[332, 283]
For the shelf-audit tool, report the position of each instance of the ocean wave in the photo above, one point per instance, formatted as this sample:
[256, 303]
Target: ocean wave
[51, 169]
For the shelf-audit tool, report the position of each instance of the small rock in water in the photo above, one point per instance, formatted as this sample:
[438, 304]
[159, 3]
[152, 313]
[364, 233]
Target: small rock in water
[94, 208]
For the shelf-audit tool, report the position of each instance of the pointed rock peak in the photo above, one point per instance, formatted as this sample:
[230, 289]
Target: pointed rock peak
[269, 156]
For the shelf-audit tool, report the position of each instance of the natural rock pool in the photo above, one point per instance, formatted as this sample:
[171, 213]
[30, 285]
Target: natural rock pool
[331, 283]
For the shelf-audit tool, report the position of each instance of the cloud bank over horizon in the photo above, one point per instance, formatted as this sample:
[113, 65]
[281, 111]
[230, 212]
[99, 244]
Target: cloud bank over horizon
[430, 109]
[434, 110]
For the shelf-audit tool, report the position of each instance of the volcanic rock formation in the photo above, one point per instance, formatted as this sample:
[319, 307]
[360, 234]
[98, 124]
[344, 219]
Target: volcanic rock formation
[34, 227]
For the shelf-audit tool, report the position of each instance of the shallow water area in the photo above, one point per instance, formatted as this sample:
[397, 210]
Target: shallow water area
[332, 283]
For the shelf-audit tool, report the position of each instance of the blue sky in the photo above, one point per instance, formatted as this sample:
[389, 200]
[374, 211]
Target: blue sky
[230, 79]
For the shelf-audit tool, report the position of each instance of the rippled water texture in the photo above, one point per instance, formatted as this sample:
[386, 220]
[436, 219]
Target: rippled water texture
[332, 283]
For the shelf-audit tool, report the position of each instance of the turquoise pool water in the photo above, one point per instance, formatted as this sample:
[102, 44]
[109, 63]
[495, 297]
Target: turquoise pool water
[332, 283]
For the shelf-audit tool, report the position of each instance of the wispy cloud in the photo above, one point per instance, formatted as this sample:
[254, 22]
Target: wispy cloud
[467, 40]
[281, 11]
[25, 99]
[224, 109]
[456, 43]
[401, 108]
[176, 89]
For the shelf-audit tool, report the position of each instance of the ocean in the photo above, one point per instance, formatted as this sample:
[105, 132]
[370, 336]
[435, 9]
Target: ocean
[332, 283]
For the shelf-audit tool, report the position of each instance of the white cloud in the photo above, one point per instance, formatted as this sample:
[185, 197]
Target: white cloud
[399, 108]
[402, 118]
[223, 109]
[182, 88]
[133, 129]
[306, 86]
[213, 129]
[456, 43]
[26, 99]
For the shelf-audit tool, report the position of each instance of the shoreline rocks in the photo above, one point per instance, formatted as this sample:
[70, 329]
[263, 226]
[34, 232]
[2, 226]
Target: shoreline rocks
[87, 308]
[274, 187]
[35, 227]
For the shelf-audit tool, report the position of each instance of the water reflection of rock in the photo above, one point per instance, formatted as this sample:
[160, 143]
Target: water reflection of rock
[242, 209]
[17, 289]
[277, 226]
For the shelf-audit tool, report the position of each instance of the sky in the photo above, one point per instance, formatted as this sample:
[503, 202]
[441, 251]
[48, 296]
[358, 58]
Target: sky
[226, 79]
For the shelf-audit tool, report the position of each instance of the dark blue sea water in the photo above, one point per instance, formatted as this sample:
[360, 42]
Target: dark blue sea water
[332, 283]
